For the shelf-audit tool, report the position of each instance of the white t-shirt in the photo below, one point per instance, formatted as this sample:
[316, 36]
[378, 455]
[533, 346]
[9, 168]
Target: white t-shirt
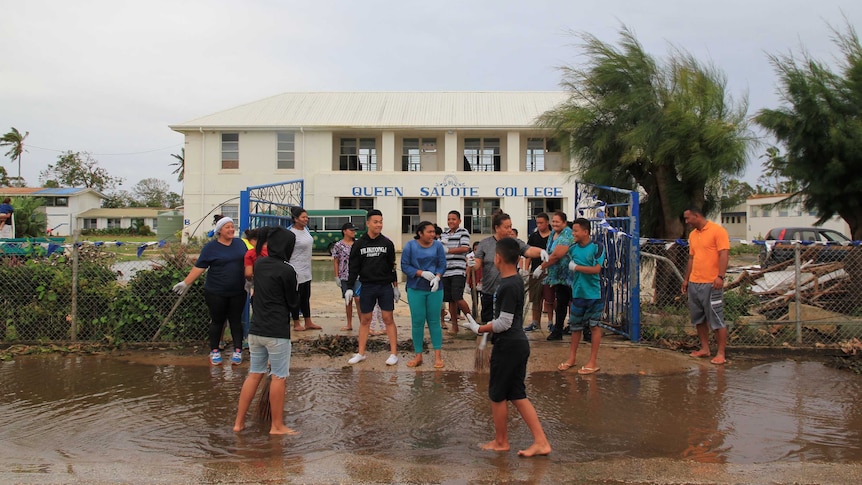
[301, 257]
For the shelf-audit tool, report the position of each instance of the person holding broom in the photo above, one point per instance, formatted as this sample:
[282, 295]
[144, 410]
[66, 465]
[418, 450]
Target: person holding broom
[510, 354]
[276, 294]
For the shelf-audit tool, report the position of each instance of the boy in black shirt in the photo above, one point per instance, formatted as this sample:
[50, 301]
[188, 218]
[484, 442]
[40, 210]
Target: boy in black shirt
[510, 354]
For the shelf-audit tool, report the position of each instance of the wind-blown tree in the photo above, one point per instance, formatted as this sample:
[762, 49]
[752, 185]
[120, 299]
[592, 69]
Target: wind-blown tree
[79, 169]
[734, 192]
[15, 140]
[151, 192]
[670, 130]
[180, 171]
[820, 125]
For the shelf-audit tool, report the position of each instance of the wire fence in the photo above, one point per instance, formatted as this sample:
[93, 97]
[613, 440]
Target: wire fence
[788, 295]
[793, 294]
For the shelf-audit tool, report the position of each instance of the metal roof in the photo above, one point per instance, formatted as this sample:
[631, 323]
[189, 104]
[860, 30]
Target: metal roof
[133, 212]
[447, 110]
[45, 191]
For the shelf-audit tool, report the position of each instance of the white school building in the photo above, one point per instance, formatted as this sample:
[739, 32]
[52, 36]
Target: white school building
[413, 155]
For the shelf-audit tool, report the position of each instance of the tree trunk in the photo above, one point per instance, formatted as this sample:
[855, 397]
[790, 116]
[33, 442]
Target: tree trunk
[671, 227]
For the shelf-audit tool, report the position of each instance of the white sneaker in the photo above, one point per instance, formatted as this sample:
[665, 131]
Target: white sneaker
[392, 360]
[357, 358]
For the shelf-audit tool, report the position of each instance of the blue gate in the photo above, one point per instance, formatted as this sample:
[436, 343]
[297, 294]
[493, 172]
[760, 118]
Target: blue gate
[615, 217]
[269, 205]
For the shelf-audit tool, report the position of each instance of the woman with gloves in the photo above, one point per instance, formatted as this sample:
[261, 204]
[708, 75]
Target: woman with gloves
[424, 262]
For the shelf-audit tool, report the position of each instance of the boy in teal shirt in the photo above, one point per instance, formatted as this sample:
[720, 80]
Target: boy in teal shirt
[587, 305]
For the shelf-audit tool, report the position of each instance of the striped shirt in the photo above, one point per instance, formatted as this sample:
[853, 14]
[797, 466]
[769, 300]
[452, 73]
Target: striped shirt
[456, 264]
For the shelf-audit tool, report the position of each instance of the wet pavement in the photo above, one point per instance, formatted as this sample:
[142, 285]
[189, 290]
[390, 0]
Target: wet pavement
[92, 419]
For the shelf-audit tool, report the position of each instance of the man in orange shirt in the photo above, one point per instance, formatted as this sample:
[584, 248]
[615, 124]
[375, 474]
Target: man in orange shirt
[708, 249]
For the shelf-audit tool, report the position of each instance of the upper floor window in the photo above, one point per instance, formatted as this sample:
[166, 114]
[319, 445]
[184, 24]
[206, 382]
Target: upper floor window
[414, 150]
[229, 151]
[57, 201]
[286, 151]
[536, 154]
[358, 154]
[482, 154]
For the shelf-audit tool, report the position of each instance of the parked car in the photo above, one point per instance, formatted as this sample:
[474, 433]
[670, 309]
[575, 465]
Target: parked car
[833, 250]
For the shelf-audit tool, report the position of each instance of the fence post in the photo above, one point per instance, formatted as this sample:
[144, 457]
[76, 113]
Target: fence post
[798, 292]
[74, 305]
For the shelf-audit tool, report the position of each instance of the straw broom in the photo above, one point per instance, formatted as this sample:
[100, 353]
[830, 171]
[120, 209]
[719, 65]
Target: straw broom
[264, 410]
[483, 354]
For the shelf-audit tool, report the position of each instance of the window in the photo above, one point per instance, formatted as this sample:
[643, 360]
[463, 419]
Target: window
[548, 206]
[358, 154]
[231, 211]
[229, 151]
[57, 202]
[477, 215]
[414, 211]
[286, 151]
[413, 152]
[363, 203]
[138, 222]
[765, 213]
[535, 155]
[481, 154]
[91, 224]
[114, 223]
[782, 213]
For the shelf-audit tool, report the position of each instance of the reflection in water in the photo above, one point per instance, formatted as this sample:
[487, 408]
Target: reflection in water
[58, 411]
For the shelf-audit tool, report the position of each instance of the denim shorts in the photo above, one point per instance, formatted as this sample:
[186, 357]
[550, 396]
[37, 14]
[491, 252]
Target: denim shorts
[275, 351]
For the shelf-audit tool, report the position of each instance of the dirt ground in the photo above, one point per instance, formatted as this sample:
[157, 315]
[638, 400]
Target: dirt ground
[616, 356]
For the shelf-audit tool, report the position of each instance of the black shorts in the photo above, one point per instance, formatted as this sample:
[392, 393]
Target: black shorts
[453, 288]
[372, 294]
[508, 370]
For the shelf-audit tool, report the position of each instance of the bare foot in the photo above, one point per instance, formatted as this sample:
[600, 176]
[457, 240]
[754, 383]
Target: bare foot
[346, 329]
[282, 430]
[415, 362]
[376, 332]
[297, 328]
[536, 450]
[238, 427]
[701, 354]
[718, 360]
[311, 326]
[493, 445]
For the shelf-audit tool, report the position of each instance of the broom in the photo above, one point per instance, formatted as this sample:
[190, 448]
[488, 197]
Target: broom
[264, 410]
[483, 355]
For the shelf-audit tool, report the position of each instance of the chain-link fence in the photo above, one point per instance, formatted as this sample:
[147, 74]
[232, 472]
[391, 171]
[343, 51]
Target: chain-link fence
[789, 294]
[101, 293]
[786, 294]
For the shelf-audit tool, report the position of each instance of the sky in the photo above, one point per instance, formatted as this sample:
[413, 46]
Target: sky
[109, 76]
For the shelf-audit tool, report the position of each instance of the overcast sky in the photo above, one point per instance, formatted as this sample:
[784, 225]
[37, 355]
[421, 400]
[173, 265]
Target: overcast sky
[109, 76]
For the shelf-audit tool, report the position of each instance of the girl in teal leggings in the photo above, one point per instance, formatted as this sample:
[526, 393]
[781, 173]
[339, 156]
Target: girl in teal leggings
[423, 261]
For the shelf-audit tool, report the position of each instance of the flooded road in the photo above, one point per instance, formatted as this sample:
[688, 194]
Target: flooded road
[91, 419]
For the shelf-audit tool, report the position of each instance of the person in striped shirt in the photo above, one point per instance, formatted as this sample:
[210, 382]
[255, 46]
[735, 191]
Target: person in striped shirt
[456, 240]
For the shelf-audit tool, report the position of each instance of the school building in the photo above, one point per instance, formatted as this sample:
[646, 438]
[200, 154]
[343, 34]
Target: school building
[413, 155]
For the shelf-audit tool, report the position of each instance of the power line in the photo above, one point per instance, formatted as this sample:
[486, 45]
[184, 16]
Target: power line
[109, 154]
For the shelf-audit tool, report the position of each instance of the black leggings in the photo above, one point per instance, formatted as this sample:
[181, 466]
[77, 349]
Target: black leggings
[304, 302]
[223, 308]
[563, 294]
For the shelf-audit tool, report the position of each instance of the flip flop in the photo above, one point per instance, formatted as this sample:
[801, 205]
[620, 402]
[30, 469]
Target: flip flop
[564, 366]
[587, 370]
[438, 365]
[715, 361]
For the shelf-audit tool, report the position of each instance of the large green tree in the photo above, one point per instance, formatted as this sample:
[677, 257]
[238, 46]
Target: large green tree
[820, 124]
[668, 129]
[79, 169]
[15, 141]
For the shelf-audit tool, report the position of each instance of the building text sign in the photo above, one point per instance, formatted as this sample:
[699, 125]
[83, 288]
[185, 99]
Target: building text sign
[450, 187]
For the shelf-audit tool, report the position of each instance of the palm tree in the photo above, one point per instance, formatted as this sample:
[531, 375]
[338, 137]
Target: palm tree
[15, 140]
[180, 164]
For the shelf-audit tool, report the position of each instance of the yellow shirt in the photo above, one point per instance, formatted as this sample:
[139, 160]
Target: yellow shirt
[703, 246]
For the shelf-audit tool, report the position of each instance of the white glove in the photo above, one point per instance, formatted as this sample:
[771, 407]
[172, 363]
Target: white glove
[428, 275]
[248, 286]
[180, 288]
[544, 256]
[471, 261]
[435, 283]
[538, 272]
[573, 266]
[472, 325]
[397, 293]
[338, 282]
[524, 273]
[348, 297]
